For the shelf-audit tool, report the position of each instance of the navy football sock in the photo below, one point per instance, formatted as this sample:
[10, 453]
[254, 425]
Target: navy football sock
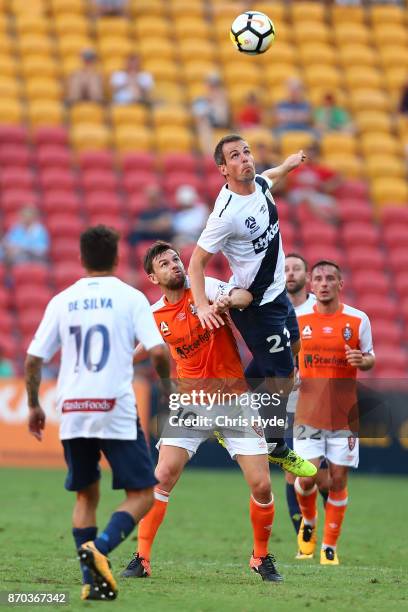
[293, 506]
[119, 527]
[81, 536]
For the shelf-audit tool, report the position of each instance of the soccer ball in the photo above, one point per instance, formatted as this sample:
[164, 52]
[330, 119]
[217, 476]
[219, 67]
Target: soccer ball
[252, 32]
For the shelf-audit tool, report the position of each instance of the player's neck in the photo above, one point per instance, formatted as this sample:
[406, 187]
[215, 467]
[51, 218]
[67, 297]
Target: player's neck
[298, 298]
[173, 295]
[100, 273]
[329, 307]
[241, 188]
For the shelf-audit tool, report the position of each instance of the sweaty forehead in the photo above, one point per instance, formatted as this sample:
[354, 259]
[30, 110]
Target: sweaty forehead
[325, 270]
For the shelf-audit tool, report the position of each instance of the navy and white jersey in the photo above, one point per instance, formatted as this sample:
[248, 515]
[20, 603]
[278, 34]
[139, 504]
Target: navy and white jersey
[246, 229]
[307, 304]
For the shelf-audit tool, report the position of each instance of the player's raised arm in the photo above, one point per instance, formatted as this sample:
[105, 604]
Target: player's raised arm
[280, 172]
[199, 259]
[237, 298]
[36, 415]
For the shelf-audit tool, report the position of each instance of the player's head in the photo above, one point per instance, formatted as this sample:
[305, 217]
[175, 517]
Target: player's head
[296, 273]
[234, 159]
[164, 267]
[99, 248]
[326, 281]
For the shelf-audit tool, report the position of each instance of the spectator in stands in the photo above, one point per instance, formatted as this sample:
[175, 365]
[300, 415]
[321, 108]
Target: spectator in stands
[110, 8]
[190, 219]
[251, 113]
[132, 85]
[211, 111]
[28, 239]
[294, 113]
[6, 366]
[155, 222]
[86, 83]
[331, 117]
[266, 156]
[314, 184]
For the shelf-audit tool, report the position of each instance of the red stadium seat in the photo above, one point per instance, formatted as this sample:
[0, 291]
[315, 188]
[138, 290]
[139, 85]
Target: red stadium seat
[58, 178]
[56, 135]
[115, 221]
[14, 155]
[396, 235]
[7, 323]
[99, 180]
[360, 233]
[136, 182]
[401, 284]
[53, 156]
[136, 203]
[30, 274]
[213, 184]
[65, 250]
[284, 209]
[29, 321]
[96, 160]
[398, 259]
[379, 306]
[12, 200]
[10, 178]
[365, 258]
[175, 180]
[373, 282]
[352, 188]
[103, 202]
[29, 296]
[390, 358]
[385, 331]
[391, 215]
[139, 162]
[179, 162]
[318, 233]
[314, 253]
[350, 211]
[64, 226]
[66, 274]
[13, 134]
[288, 232]
[61, 202]
[10, 346]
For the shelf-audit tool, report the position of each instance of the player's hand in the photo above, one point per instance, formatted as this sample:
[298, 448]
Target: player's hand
[222, 304]
[36, 421]
[354, 357]
[293, 161]
[208, 318]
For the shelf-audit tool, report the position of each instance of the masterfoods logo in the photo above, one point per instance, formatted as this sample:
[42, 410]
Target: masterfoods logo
[262, 243]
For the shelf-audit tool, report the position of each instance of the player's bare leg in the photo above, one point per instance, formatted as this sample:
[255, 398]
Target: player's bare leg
[255, 469]
[170, 466]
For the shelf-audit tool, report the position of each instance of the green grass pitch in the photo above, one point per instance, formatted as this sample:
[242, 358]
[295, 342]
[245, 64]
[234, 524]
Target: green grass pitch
[200, 559]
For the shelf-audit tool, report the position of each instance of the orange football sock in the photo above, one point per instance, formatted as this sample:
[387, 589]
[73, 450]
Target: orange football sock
[307, 503]
[261, 519]
[336, 506]
[150, 523]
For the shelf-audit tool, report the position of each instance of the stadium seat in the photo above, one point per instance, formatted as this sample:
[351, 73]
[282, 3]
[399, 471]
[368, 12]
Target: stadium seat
[64, 226]
[99, 180]
[379, 306]
[138, 161]
[385, 332]
[354, 210]
[11, 111]
[390, 360]
[95, 160]
[53, 156]
[389, 190]
[356, 55]
[134, 181]
[401, 284]
[372, 121]
[378, 142]
[387, 14]
[395, 236]
[27, 296]
[129, 138]
[318, 232]
[341, 13]
[354, 33]
[57, 178]
[314, 253]
[29, 321]
[60, 202]
[103, 202]
[50, 135]
[11, 177]
[64, 251]
[360, 233]
[172, 181]
[13, 199]
[398, 259]
[69, 23]
[30, 274]
[14, 155]
[384, 165]
[89, 137]
[169, 138]
[134, 114]
[7, 323]
[361, 257]
[374, 282]
[45, 113]
[391, 215]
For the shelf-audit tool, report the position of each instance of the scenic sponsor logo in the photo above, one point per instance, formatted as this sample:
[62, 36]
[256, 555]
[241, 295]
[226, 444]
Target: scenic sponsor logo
[88, 405]
[262, 243]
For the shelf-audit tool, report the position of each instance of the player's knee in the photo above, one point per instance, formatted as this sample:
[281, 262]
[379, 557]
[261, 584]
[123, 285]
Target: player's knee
[167, 474]
[261, 490]
[338, 483]
[307, 483]
[89, 496]
[139, 501]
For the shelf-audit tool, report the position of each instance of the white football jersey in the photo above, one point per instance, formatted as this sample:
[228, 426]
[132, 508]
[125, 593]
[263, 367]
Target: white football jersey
[306, 306]
[246, 230]
[96, 322]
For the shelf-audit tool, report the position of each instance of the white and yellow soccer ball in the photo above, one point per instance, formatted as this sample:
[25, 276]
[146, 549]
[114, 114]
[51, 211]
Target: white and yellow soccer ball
[252, 32]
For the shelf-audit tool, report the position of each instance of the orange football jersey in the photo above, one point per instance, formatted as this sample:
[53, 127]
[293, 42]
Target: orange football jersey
[209, 357]
[327, 397]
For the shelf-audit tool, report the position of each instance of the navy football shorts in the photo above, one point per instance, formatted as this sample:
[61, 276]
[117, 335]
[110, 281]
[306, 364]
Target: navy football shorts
[267, 335]
[130, 462]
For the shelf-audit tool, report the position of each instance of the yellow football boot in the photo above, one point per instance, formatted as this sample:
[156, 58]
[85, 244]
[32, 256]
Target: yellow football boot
[307, 539]
[328, 556]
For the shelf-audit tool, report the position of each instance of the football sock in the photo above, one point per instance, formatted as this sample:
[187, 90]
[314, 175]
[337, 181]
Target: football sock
[119, 527]
[293, 506]
[81, 536]
[261, 519]
[150, 523]
[335, 510]
[307, 503]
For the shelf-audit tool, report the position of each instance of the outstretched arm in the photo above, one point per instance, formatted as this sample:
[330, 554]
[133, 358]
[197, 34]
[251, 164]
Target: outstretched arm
[238, 298]
[199, 259]
[279, 172]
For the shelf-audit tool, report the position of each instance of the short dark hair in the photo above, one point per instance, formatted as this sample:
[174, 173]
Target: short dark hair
[153, 251]
[297, 256]
[327, 262]
[219, 157]
[99, 247]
